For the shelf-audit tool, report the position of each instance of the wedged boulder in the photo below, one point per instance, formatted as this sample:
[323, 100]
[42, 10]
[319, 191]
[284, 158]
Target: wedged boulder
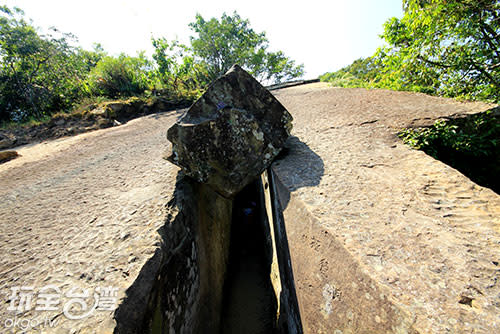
[231, 134]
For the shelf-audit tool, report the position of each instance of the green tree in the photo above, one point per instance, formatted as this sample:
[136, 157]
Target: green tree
[363, 72]
[38, 73]
[452, 47]
[176, 69]
[443, 47]
[221, 43]
[120, 76]
[89, 59]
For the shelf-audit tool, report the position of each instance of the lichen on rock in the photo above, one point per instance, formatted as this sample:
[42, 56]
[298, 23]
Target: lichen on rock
[231, 134]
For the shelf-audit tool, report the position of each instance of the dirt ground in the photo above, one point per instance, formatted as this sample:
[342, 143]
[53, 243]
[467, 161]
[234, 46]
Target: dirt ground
[83, 211]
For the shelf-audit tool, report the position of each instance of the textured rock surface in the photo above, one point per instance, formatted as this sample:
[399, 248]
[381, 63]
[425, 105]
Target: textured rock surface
[426, 236]
[84, 212]
[231, 134]
[6, 140]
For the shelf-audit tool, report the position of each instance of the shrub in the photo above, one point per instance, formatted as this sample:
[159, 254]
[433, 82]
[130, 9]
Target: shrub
[119, 76]
[39, 73]
[470, 144]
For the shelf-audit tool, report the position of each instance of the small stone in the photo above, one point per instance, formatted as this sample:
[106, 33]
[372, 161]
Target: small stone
[8, 155]
[465, 300]
[125, 235]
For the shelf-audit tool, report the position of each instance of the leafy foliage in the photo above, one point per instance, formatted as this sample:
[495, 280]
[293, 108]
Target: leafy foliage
[37, 72]
[449, 48]
[41, 74]
[221, 43]
[458, 142]
[361, 73]
[443, 47]
[120, 76]
[176, 69]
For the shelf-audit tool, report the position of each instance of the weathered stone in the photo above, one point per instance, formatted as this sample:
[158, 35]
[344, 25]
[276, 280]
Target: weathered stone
[6, 141]
[8, 155]
[230, 134]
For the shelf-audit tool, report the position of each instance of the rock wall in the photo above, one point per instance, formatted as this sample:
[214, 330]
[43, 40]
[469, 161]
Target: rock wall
[334, 293]
[289, 320]
[213, 233]
[180, 288]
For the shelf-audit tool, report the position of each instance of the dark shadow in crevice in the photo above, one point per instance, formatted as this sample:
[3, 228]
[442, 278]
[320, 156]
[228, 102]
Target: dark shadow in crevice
[174, 290]
[290, 321]
[249, 303]
[468, 143]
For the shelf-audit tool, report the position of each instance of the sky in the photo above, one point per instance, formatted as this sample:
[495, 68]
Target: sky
[323, 35]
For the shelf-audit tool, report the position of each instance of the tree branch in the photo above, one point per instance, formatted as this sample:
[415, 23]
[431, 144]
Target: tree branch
[435, 63]
[486, 74]
[35, 70]
[488, 32]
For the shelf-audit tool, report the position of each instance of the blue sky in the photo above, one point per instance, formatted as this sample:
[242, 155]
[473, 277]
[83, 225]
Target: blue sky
[323, 35]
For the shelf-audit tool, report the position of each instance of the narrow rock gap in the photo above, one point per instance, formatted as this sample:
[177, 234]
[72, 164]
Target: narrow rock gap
[249, 304]
[223, 267]
[223, 264]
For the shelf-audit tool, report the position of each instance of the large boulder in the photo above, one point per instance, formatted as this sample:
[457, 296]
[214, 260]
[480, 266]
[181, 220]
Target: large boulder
[231, 134]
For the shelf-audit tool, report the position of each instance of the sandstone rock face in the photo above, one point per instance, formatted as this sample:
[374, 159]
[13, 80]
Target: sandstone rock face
[231, 134]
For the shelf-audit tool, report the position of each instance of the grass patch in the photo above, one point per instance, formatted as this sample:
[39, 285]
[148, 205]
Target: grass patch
[32, 121]
[470, 145]
[86, 105]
